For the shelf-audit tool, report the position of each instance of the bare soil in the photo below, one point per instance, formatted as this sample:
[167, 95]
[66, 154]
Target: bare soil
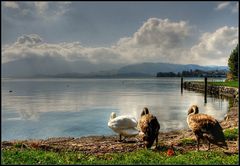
[100, 145]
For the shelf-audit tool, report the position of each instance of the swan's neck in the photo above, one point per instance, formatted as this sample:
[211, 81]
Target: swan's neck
[195, 110]
[188, 119]
[113, 115]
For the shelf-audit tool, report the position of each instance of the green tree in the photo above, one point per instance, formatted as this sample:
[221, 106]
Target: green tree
[233, 63]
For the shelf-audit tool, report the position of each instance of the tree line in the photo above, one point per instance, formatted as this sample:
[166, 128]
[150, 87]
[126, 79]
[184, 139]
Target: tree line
[194, 73]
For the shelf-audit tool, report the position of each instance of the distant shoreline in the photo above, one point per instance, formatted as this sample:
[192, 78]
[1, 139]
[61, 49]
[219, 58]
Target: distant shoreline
[107, 77]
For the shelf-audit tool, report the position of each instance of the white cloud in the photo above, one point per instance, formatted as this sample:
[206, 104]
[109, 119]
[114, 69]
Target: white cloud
[159, 33]
[40, 9]
[233, 7]
[33, 45]
[222, 5]
[50, 10]
[156, 40]
[215, 47]
[11, 4]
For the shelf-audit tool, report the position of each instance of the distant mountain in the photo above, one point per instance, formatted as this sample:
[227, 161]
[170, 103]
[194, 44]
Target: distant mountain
[49, 66]
[154, 68]
[59, 67]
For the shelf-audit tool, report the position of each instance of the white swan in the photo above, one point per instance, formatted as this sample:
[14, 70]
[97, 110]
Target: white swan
[123, 125]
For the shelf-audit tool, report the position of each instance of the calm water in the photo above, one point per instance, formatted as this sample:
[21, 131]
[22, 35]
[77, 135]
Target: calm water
[43, 108]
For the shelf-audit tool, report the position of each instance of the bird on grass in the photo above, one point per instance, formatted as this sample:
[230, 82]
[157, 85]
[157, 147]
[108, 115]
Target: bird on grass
[205, 127]
[123, 125]
[149, 127]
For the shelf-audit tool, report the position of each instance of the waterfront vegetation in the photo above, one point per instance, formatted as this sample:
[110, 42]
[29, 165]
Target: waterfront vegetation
[226, 83]
[233, 64]
[218, 83]
[19, 155]
[194, 73]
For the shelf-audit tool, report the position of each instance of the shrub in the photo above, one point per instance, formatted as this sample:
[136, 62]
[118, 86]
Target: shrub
[231, 134]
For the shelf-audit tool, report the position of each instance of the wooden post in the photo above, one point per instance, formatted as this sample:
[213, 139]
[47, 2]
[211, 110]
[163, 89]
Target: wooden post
[205, 91]
[181, 84]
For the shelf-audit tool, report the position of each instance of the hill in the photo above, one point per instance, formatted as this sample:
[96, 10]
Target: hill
[58, 68]
[153, 68]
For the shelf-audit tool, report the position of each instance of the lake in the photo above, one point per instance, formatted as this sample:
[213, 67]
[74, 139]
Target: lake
[43, 108]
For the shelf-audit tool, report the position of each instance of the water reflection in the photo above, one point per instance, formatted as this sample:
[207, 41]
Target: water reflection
[28, 114]
[80, 107]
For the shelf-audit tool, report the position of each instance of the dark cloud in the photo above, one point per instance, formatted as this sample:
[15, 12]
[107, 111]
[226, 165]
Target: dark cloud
[29, 39]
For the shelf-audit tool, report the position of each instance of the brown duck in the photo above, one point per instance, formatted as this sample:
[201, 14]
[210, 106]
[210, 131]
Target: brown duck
[149, 127]
[205, 127]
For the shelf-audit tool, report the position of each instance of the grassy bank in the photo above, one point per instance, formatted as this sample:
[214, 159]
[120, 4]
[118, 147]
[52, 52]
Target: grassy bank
[16, 156]
[229, 84]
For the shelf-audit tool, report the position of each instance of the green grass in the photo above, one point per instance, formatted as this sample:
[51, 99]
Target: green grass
[228, 83]
[187, 141]
[31, 156]
[231, 134]
[17, 145]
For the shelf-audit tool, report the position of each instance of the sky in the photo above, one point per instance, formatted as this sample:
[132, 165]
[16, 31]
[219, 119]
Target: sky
[122, 32]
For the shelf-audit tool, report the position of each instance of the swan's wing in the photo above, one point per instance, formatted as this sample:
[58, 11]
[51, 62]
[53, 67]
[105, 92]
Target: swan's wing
[122, 122]
[129, 132]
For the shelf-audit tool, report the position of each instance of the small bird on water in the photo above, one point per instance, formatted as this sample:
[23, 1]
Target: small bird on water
[205, 127]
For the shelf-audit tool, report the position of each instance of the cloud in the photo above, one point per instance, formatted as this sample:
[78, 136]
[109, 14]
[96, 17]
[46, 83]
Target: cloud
[31, 39]
[159, 33]
[233, 7]
[215, 47]
[157, 40]
[41, 6]
[33, 46]
[39, 9]
[11, 4]
[222, 5]
[51, 9]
